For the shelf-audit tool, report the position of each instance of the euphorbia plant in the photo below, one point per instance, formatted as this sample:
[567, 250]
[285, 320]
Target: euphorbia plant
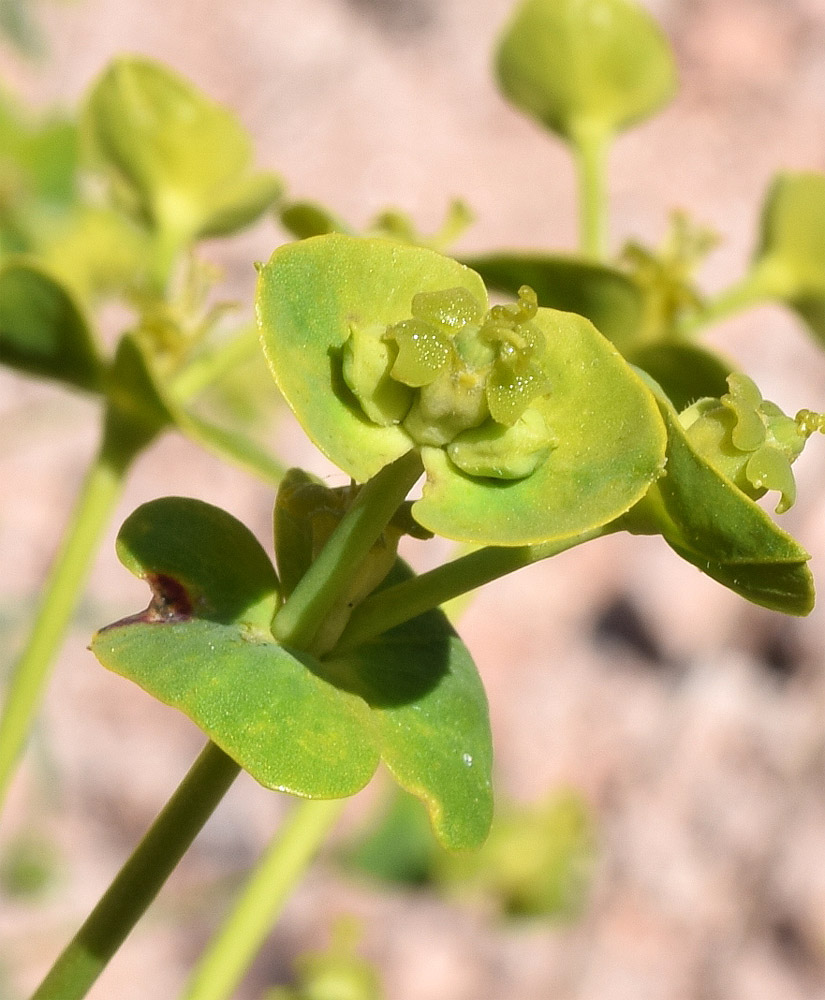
[308, 676]
[533, 429]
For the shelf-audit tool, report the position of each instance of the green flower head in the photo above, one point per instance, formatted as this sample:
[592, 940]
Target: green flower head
[529, 424]
[749, 440]
[457, 376]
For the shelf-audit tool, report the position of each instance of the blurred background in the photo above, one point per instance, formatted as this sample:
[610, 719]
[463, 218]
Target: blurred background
[683, 728]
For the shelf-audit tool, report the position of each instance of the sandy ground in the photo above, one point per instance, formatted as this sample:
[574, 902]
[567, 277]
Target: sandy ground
[703, 764]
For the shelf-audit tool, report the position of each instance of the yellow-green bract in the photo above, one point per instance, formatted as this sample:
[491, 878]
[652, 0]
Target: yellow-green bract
[585, 68]
[709, 521]
[604, 434]
[182, 162]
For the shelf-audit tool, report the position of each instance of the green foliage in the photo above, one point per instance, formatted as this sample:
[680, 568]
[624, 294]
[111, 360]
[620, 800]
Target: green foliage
[686, 372]
[790, 260]
[585, 68]
[396, 847]
[316, 728]
[536, 862]
[43, 331]
[339, 306]
[38, 173]
[180, 162]
[47, 154]
[604, 295]
[311, 296]
[307, 218]
[580, 407]
[712, 523]
[640, 311]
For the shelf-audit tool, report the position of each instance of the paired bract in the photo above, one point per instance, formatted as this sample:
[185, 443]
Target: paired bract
[530, 425]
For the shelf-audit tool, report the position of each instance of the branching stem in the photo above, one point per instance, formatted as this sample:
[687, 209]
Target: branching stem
[404, 601]
[300, 618]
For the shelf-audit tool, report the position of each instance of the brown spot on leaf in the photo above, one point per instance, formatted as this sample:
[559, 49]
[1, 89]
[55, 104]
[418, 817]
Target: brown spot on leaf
[170, 600]
[170, 603]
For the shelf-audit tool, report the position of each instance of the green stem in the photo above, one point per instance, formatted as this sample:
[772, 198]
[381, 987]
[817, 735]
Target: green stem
[404, 601]
[232, 950]
[753, 290]
[139, 880]
[63, 590]
[590, 149]
[298, 621]
[210, 366]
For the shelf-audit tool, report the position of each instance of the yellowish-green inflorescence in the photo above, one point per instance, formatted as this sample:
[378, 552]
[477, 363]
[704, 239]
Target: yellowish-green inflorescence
[457, 376]
[749, 440]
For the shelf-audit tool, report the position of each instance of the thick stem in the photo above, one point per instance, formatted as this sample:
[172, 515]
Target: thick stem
[139, 880]
[61, 595]
[590, 150]
[404, 601]
[300, 618]
[230, 953]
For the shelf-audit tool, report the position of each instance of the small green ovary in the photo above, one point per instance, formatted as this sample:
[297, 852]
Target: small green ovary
[749, 440]
[458, 377]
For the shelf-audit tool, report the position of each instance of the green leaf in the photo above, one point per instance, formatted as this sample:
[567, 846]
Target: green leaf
[397, 847]
[607, 297]
[262, 704]
[310, 295]
[241, 204]
[609, 448]
[98, 251]
[585, 67]
[686, 372]
[38, 176]
[296, 723]
[42, 330]
[292, 524]
[429, 714]
[48, 152]
[537, 861]
[204, 647]
[141, 401]
[183, 161]
[789, 264]
[306, 218]
[137, 401]
[711, 523]
[211, 556]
